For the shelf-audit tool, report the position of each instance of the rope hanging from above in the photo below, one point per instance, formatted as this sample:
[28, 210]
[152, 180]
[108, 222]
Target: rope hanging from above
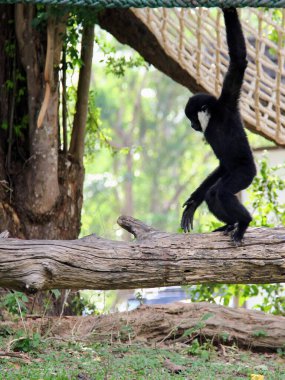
[158, 3]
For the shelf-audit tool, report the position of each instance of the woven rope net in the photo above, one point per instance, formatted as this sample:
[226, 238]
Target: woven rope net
[160, 3]
[196, 40]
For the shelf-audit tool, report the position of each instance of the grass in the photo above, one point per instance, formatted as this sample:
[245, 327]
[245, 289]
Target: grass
[55, 360]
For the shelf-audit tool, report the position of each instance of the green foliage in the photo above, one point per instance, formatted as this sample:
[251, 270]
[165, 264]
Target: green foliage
[118, 66]
[274, 34]
[259, 333]
[9, 84]
[281, 351]
[4, 126]
[5, 330]
[26, 343]
[224, 336]
[73, 34]
[96, 137]
[198, 326]
[126, 333]
[98, 302]
[39, 22]
[14, 303]
[19, 128]
[139, 297]
[10, 48]
[115, 63]
[203, 350]
[18, 304]
[267, 210]
[82, 305]
[222, 293]
[273, 299]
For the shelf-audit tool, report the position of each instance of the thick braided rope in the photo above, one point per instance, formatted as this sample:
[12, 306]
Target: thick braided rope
[158, 3]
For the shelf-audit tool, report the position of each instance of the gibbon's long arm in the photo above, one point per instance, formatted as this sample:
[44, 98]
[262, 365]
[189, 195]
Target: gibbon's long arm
[237, 51]
[197, 197]
[200, 192]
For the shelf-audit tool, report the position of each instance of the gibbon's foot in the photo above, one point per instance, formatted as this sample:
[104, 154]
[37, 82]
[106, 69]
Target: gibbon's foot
[230, 229]
[226, 229]
[237, 237]
[238, 234]
[222, 228]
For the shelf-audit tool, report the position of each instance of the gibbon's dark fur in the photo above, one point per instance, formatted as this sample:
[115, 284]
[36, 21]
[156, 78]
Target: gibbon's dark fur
[221, 123]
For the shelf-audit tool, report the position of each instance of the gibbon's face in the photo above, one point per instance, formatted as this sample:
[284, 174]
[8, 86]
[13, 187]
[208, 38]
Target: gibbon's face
[198, 111]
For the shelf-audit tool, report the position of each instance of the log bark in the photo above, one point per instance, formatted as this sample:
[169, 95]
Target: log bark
[161, 323]
[154, 259]
[177, 322]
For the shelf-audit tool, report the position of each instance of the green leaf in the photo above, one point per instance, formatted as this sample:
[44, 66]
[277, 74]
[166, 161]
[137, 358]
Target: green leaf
[207, 316]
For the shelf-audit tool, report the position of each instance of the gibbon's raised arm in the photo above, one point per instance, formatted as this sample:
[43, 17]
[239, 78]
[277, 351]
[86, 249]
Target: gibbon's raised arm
[237, 53]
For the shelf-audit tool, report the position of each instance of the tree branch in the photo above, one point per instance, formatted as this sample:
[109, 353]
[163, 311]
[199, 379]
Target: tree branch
[155, 259]
[48, 72]
[137, 228]
[79, 124]
[64, 101]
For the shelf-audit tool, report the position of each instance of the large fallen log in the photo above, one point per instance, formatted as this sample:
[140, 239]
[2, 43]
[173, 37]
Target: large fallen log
[176, 322]
[154, 259]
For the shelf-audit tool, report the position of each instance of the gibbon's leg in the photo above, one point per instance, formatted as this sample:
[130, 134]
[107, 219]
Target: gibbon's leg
[224, 204]
[215, 203]
[226, 229]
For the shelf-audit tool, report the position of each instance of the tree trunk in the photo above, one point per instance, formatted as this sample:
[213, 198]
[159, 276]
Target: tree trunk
[40, 186]
[155, 259]
[177, 322]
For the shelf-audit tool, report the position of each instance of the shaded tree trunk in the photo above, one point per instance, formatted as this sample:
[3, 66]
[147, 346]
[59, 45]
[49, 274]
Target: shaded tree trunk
[41, 186]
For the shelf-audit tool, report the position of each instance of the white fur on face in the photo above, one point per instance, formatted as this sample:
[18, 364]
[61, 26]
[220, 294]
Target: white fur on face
[204, 117]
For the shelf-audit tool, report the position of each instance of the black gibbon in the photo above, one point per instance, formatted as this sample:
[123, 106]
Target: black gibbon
[220, 121]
